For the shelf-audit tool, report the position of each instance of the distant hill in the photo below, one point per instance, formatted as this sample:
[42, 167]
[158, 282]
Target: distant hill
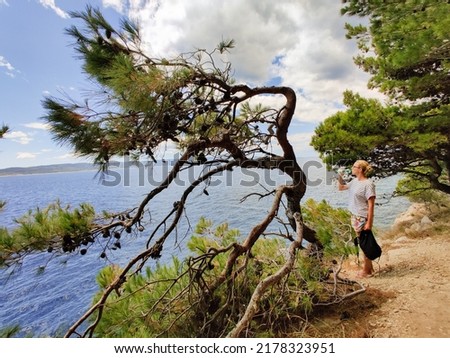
[45, 169]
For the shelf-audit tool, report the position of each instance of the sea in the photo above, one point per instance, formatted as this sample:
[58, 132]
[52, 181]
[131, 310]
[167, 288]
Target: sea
[46, 294]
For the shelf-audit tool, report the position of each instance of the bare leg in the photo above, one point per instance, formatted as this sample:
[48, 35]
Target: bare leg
[367, 267]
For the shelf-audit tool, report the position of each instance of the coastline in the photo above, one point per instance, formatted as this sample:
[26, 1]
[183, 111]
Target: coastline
[47, 169]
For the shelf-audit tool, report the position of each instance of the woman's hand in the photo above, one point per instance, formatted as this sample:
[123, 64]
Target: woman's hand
[367, 226]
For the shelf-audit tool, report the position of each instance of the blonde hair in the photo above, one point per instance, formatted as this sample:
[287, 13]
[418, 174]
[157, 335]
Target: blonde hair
[365, 167]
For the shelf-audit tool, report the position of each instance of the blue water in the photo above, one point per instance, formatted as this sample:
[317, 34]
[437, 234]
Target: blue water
[46, 302]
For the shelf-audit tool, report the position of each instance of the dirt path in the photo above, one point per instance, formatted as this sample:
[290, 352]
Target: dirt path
[409, 296]
[413, 278]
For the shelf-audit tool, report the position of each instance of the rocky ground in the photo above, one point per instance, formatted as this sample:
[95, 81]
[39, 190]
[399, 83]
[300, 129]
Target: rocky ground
[409, 294]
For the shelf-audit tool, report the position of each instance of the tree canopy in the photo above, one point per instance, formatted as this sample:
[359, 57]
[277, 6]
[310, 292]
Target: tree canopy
[406, 50]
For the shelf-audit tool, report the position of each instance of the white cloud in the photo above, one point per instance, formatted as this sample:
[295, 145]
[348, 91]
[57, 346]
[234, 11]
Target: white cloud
[26, 155]
[18, 136]
[9, 68]
[50, 4]
[67, 156]
[31, 155]
[37, 125]
[117, 5]
[300, 142]
[301, 42]
[4, 2]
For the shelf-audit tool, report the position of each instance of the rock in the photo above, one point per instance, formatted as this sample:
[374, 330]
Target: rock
[426, 220]
[425, 227]
[403, 218]
[402, 239]
[418, 227]
[414, 212]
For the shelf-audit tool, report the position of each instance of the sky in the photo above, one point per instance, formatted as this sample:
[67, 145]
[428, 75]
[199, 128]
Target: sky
[295, 43]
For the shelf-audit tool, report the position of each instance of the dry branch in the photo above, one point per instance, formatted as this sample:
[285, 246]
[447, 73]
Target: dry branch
[269, 281]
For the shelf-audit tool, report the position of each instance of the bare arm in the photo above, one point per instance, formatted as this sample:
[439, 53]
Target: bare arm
[369, 223]
[341, 183]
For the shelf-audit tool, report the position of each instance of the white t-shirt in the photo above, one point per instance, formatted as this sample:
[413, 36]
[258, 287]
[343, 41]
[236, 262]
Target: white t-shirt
[360, 192]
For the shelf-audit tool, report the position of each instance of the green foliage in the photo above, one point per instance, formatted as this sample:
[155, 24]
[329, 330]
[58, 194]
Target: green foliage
[69, 127]
[206, 237]
[332, 226]
[46, 229]
[418, 190]
[409, 43]
[160, 301]
[174, 300]
[355, 132]
[367, 125]
[9, 332]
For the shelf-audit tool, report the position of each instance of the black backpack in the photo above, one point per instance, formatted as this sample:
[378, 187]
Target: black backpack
[369, 245]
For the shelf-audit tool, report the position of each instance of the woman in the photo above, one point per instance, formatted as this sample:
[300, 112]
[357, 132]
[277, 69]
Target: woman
[361, 204]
